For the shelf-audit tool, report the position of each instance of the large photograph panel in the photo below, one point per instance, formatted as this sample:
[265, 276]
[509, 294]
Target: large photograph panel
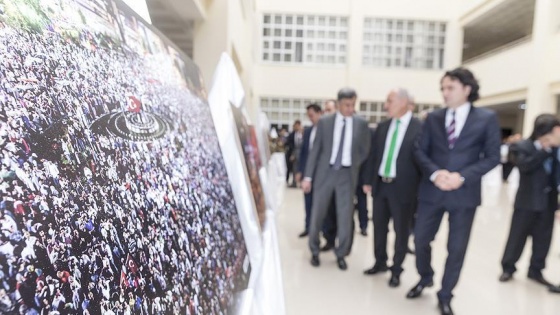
[248, 141]
[114, 198]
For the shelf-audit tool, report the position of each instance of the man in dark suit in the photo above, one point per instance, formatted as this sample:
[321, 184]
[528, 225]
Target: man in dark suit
[536, 199]
[458, 145]
[341, 146]
[314, 113]
[290, 149]
[393, 176]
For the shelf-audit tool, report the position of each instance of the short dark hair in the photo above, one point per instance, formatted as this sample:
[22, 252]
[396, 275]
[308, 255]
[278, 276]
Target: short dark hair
[297, 122]
[315, 107]
[544, 123]
[346, 93]
[466, 77]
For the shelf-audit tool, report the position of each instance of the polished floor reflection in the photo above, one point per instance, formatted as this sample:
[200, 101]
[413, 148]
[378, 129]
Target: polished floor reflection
[327, 290]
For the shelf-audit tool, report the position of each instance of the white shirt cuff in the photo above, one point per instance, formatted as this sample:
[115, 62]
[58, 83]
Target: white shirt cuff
[434, 175]
[307, 179]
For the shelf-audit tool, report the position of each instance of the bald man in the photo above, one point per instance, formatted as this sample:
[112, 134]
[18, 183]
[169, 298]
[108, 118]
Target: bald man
[393, 180]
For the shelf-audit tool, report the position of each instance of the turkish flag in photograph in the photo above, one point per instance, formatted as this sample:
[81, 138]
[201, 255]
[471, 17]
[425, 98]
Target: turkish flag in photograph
[134, 104]
[131, 265]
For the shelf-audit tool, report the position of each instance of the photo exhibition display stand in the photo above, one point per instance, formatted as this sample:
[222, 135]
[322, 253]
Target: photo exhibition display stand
[262, 244]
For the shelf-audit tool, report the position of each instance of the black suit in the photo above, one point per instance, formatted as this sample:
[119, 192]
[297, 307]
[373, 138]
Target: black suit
[476, 151]
[394, 200]
[289, 148]
[304, 153]
[535, 204]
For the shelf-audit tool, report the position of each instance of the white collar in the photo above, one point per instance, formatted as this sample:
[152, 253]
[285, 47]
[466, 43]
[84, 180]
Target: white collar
[405, 119]
[465, 108]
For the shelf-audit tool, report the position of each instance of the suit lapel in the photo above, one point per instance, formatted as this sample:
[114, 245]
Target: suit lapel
[468, 125]
[383, 130]
[330, 132]
[409, 134]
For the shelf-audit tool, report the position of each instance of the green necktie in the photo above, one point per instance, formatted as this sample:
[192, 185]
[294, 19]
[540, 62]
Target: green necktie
[389, 161]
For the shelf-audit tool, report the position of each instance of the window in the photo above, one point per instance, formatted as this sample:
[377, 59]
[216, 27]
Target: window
[284, 111]
[321, 39]
[374, 113]
[403, 44]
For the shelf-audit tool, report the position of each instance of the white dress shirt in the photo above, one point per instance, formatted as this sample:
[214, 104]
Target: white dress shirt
[312, 137]
[461, 114]
[347, 149]
[403, 126]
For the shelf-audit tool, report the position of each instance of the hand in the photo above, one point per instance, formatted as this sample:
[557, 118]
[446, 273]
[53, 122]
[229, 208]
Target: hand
[306, 185]
[455, 180]
[546, 142]
[298, 177]
[366, 189]
[441, 180]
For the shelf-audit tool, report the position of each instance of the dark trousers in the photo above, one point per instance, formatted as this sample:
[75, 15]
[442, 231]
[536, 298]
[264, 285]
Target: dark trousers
[386, 205]
[525, 223]
[308, 204]
[428, 221]
[329, 225]
[361, 207]
[506, 170]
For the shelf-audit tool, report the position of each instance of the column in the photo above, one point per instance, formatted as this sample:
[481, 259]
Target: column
[539, 97]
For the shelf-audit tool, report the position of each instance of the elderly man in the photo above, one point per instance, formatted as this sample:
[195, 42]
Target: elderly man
[392, 176]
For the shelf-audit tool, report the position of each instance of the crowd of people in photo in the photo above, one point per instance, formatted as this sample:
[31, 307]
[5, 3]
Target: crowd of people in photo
[91, 223]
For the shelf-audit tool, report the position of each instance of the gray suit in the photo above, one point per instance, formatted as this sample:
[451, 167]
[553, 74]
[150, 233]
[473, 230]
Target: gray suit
[339, 184]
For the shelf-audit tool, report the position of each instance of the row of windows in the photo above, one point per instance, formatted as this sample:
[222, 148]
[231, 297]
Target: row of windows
[284, 111]
[388, 43]
[304, 39]
[394, 43]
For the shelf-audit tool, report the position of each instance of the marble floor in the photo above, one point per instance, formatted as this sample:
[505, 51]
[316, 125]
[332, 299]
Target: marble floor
[327, 290]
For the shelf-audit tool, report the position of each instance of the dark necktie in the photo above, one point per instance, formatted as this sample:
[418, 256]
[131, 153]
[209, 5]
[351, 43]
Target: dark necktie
[451, 138]
[338, 161]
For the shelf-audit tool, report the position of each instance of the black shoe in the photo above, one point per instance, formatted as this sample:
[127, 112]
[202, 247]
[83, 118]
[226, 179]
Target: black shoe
[303, 234]
[506, 276]
[376, 269]
[341, 264]
[554, 289]
[539, 279]
[315, 261]
[395, 281]
[416, 291]
[445, 308]
[410, 251]
[327, 247]
[364, 232]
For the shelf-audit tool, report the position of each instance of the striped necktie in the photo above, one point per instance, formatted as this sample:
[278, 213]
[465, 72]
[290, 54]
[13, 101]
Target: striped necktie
[451, 137]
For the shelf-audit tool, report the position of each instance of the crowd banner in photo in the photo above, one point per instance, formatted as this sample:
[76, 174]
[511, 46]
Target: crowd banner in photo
[114, 193]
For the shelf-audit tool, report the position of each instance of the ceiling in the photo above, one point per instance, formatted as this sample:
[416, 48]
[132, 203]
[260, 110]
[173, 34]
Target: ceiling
[507, 22]
[508, 108]
[174, 24]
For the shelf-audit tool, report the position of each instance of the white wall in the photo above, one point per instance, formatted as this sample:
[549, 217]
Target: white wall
[210, 38]
[505, 71]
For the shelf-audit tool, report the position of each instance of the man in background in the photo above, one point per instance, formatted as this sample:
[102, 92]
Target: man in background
[536, 199]
[314, 113]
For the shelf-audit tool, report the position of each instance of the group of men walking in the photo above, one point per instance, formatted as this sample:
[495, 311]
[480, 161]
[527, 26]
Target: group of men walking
[428, 168]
